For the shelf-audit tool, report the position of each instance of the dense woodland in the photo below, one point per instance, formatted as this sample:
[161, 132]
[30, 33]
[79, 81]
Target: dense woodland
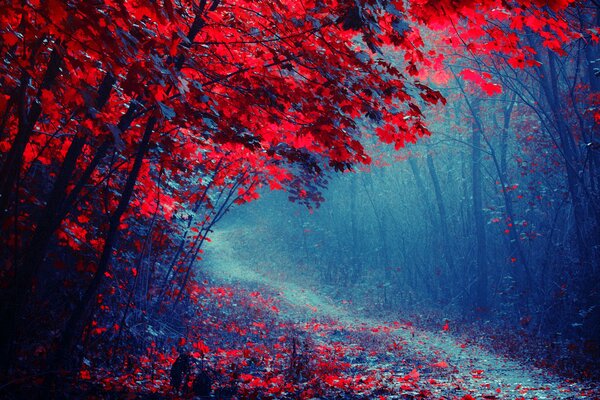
[441, 158]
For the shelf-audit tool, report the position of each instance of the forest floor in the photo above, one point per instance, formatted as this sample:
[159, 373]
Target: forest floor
[441, 364]
[259, 331]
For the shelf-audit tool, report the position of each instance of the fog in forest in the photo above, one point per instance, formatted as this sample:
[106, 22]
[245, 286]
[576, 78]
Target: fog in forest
[420, 236]
[300, 199]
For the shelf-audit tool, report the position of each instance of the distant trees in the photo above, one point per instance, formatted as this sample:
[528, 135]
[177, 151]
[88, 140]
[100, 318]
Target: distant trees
[497, 211]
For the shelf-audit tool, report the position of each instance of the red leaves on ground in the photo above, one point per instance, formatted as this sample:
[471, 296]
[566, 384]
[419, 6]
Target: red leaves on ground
[477, 374]
[413, 376]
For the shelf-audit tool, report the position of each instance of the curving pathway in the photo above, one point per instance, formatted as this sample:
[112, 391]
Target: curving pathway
[465, 368]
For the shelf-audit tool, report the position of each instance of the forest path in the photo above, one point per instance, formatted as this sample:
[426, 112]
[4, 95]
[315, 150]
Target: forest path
[232, 257]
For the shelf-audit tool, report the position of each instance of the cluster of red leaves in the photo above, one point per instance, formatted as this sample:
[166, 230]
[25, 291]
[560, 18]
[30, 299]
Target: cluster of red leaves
[479, 36]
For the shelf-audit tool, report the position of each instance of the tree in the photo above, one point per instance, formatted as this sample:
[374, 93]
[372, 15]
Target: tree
[148, 87]
[119, 117]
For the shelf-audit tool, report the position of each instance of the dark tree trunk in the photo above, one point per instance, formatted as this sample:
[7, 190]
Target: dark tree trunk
[442, 210]
[74, 327]
[477, 193]
[27, 117]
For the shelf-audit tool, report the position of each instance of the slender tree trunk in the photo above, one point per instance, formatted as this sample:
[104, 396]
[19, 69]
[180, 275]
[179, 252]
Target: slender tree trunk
[74, 327]
[27, 118]
[380, 219]
[356, 255]
[451, 272]
[520, 272]
[442, 210]
[507, 114]
[477, 193]
[414, 166]
[549, 81]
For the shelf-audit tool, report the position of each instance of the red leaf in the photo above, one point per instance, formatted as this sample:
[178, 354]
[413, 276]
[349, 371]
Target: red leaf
[481, 80]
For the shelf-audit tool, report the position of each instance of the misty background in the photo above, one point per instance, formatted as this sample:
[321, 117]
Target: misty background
[429, 230]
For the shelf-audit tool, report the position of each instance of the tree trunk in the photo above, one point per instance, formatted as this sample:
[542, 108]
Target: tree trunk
[414, 166]
[356, 260]
[27, 118]
[477, 193]
[442, 210]
[75, 325]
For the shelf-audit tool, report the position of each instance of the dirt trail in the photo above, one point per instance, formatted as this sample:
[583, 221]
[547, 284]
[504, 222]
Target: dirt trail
[469, 365]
